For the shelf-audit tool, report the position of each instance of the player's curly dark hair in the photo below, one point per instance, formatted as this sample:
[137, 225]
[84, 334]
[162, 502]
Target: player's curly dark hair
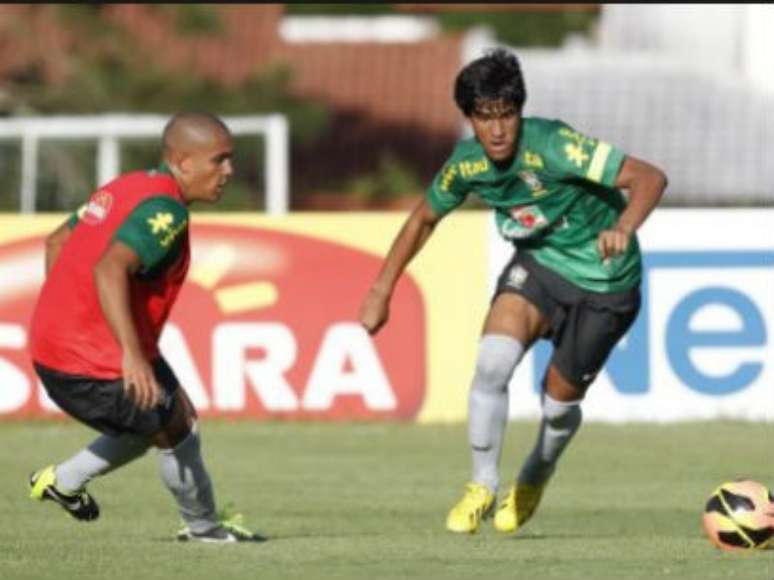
[494, 76]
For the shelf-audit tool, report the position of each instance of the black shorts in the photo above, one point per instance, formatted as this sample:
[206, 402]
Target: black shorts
[103, 404]
[584, 325]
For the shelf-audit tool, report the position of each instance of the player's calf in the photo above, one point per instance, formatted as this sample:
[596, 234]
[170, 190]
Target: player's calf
[561, 420]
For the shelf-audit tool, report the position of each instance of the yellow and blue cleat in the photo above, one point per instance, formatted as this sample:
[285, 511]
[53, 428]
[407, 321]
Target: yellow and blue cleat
[79, 504]
[517, 508]
[476, 504]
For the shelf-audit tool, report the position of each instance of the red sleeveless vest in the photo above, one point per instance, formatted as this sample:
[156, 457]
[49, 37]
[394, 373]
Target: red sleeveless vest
[69, 332]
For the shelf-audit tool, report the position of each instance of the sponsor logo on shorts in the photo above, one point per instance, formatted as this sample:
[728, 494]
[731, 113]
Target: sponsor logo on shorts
[517, 277]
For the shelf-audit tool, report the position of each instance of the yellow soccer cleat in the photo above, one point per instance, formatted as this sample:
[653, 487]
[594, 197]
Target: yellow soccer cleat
[517, 507]
[229, 529]
[476, 504]
[79, 504]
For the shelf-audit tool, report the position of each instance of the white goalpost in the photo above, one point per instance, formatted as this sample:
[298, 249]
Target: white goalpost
[109, 129]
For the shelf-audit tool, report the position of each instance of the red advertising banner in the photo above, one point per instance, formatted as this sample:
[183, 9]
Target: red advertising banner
[264, 327]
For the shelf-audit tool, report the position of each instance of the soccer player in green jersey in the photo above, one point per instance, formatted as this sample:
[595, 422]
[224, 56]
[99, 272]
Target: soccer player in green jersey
[574, 277]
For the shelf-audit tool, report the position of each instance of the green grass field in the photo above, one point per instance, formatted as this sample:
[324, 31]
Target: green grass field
[365, 501]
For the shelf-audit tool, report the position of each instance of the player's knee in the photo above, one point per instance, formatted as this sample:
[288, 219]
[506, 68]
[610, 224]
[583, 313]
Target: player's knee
[176, 442]
[173, 433]
[562, 414]
[498, 356]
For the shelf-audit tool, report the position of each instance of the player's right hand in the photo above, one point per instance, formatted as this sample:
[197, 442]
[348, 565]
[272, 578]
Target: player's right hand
[612, 243]
[375, 310]
[140, 383]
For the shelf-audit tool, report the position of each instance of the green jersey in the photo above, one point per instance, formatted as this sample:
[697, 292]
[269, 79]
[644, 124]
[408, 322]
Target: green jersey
[552, 200]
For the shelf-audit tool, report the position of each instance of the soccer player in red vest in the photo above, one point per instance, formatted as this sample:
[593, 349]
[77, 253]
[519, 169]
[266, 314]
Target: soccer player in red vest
[113, 272]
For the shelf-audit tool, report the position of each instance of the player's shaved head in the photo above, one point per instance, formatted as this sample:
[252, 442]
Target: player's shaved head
[198, 149]
[186, 132]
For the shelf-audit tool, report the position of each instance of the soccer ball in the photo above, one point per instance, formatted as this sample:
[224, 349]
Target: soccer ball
[739, 515]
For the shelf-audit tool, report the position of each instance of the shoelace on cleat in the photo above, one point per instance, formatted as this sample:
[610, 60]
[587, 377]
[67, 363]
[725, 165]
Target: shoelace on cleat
[228, 519]
[474, 495]
[233, 522]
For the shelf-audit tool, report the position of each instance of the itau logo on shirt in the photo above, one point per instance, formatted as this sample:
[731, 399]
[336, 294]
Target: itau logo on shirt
[97, 208]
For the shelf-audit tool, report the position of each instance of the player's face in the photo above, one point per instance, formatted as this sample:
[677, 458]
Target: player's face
[496, 125]
[208, 169]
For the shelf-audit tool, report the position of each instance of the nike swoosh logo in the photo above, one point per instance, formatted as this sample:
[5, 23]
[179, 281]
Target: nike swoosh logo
[75, 505]
[72, 504]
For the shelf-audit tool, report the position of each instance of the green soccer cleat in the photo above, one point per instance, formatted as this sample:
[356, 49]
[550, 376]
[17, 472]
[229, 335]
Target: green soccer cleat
[229, 530]
[518, 506]
[476, 504]
[80, 504]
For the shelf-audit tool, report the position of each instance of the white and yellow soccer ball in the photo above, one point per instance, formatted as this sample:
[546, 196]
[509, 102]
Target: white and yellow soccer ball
[739, 515]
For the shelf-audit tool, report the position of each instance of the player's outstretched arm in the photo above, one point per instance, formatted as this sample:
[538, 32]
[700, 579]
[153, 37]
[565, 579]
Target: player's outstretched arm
[111, 275]
[419, 226]
[645, 184]
[54, 242]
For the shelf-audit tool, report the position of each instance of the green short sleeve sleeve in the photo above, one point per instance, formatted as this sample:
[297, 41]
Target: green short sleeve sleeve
[153, 229]
[76, 216]
[73, 220]
[448, 189]
[573, 154]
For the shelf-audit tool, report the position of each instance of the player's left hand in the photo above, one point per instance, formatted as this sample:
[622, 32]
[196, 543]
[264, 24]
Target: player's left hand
[140, 383]
[375, 311]
[612, 243]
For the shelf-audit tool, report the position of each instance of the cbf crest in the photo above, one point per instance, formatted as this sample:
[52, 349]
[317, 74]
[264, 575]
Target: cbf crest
[533, 183]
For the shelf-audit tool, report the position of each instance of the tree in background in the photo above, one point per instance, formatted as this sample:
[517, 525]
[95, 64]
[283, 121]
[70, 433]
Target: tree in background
[88, 64]
[546, 25]
[106, 71]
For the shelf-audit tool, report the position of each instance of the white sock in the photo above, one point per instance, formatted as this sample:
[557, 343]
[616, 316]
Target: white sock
[488, 404]
[102, 456]
[183, 472]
